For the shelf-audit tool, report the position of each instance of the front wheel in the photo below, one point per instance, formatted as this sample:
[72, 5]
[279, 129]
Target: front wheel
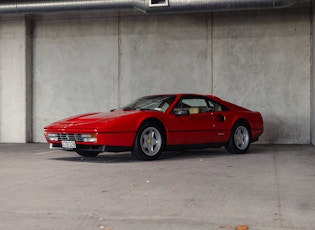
[87, 153]
[149, 142]
[239, 141]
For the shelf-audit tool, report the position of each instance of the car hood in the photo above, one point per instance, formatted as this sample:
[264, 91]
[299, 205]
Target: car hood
[91, 120]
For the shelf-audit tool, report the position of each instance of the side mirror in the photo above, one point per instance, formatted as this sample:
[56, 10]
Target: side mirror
[183, 112]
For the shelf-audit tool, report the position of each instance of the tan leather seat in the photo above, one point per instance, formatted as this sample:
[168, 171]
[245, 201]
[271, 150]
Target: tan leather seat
[193, 110]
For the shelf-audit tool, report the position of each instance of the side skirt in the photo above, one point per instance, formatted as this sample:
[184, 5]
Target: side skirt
[187, 147]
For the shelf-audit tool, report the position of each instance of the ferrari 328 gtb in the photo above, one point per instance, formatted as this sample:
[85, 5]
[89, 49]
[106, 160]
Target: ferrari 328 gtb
[152, 124]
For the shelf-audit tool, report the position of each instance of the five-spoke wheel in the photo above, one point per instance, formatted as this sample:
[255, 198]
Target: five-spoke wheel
[149, 142]
[239, 141]
[241, 137]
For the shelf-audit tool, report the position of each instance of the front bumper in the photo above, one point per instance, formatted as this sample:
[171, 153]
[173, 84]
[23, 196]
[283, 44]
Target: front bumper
[92, 148]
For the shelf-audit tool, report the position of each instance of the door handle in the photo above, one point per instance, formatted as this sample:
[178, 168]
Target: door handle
[218, 117]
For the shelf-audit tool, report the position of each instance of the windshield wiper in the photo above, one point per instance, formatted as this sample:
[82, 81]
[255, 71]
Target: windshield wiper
[128, 109]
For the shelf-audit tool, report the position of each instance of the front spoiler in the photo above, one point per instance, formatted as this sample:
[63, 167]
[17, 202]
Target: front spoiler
[91, 148]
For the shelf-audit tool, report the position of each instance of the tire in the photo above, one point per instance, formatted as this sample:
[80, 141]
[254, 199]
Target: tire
[239, 141]
[87, 153]
[149, 142]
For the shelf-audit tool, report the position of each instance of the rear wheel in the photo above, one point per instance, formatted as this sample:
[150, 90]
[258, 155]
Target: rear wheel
[149, 142]
[87, 153]
[239, 141]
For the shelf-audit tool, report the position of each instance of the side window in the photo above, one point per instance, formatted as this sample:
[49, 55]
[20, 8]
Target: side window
[214, 106]
[194, 105]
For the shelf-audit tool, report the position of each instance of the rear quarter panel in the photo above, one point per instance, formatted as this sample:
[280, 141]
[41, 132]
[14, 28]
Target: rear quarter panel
[254, 120]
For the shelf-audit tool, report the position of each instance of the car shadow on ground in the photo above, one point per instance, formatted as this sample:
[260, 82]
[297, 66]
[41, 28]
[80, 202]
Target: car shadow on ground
[126, 157]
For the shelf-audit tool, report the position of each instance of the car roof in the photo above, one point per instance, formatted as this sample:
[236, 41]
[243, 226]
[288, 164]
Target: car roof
[184, 94]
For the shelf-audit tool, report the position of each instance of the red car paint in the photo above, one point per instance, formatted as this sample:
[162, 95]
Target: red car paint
[118, 129]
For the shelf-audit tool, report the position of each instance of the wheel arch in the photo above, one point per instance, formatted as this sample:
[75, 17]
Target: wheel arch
[155, 121]
[245, 121]
[137, 150]
[240, 138]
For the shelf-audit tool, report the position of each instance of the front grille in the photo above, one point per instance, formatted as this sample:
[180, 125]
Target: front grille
[70, 137]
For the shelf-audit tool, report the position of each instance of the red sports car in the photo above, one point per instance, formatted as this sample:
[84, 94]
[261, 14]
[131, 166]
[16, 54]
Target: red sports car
[152, 124]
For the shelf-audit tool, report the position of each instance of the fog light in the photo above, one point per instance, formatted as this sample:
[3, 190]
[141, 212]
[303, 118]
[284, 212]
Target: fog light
[51, 136]
[89, 137]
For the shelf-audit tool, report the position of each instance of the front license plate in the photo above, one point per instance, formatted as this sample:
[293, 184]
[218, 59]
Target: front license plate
[68, 144]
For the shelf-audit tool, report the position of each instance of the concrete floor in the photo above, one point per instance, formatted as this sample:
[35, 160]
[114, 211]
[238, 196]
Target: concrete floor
[272, 187]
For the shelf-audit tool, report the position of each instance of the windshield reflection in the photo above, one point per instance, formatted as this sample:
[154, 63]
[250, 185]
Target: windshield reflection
[158, 103]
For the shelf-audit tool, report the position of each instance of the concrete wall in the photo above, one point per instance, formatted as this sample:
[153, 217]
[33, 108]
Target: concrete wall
[15, 125]
[95, 62]
[75, 69]
[262, 61]
[312, 79]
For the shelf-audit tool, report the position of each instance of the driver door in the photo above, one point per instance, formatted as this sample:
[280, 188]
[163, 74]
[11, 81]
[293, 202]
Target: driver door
[196, 120]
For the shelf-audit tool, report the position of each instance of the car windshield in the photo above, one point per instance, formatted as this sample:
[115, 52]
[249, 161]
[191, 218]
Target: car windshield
[159, 103]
